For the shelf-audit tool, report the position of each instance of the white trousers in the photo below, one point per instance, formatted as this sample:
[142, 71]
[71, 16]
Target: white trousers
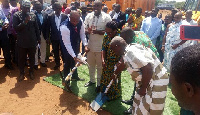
[42, 51]
[94, 61]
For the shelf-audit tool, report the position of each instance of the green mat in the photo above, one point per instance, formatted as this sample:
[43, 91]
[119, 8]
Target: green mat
[115, 107]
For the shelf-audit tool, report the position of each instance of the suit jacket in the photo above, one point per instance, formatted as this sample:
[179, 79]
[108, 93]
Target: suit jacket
[43, 27]
[52, 28]
[27, 34]
[121, 19]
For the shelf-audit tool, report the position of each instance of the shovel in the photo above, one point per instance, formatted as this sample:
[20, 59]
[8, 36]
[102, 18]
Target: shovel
[100, 99]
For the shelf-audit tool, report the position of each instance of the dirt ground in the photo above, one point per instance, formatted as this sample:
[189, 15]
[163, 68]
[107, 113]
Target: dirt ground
[37, 97]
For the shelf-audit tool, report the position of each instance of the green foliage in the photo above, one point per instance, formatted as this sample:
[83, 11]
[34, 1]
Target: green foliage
[115, 107]
[158, 1]
[179, 5]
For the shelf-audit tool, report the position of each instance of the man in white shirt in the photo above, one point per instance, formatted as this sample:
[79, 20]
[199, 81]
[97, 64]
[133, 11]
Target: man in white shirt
[152, 26]
[191, 22]
[95, 23]
[73, 32]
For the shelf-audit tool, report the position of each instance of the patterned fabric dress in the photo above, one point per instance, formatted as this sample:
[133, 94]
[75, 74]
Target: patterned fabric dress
[136, 57]
[110, 60]
[142, 39]
[172, 38]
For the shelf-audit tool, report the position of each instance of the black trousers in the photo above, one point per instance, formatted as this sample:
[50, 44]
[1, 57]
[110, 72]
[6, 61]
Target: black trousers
[22, 58]
[56, 47]
[69, 65]
[5, 45]
[13, 41]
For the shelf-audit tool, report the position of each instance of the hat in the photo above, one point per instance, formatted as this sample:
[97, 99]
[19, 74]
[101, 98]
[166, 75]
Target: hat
[26, 3]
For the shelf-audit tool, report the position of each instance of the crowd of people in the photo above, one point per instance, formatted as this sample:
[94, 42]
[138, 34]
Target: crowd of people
[146, 46]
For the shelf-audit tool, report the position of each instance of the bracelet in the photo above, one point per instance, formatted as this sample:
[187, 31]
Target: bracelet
[163, 45]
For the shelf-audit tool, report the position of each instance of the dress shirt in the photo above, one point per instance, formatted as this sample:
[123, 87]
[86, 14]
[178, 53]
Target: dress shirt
[40, 17]
[65, 33]
[152, 27]
[96, 40]
[3, 18]
[116, 15]
[57, 21]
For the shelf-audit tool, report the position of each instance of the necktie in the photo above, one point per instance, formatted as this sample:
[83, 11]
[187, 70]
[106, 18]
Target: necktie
[75, 28]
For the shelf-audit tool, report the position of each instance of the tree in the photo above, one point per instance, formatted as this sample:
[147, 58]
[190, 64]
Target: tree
[179, 5]
[157, 2]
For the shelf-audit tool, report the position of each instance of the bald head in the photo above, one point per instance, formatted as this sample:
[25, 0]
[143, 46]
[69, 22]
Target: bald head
[127, 34]
[74, 17]
[118, 45]
[74, 13]
[177, 17]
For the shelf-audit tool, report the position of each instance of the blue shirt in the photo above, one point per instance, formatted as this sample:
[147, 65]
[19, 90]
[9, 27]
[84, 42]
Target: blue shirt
[40, 17]
[3, 19]
[152, 27]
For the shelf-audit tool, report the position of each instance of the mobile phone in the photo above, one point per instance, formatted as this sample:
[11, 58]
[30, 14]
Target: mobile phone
[189, 32]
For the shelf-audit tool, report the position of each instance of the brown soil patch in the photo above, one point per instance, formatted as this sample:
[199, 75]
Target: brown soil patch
[37, 97]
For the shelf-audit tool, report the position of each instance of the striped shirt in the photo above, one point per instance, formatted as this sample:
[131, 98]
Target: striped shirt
[136, 57]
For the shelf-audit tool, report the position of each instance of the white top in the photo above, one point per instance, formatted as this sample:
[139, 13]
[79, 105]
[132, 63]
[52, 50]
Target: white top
[58, 21]
[96, 40]
[192, 22]
[65, 33]
[116, 15]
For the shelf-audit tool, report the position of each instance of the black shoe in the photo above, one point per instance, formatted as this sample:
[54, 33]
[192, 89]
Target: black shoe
[9, 67]
[89, 84]
[128, 102]
[97, 89]
[129, 111]
[67, 87]
[77, 79]
[21, 77]
[31, 76]
[43, 64]
[56, 67]
[35, 67]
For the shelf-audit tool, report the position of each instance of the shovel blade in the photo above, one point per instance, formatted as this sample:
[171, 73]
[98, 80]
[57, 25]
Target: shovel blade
[99, 101]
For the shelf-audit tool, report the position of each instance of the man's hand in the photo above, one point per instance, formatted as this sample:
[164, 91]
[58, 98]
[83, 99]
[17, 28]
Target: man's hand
[77, 61]
[142, 91]
[175, 46]
[163, 49]
[114, 77]
[5, 26]
[89, 31]
[87, 49]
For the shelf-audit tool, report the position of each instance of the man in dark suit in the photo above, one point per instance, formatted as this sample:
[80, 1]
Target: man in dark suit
[118, 16]
[54, 21]
[42, 20]
[28, 36]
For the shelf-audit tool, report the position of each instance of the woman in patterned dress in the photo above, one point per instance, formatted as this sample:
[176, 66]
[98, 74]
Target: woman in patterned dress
[109, 59]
